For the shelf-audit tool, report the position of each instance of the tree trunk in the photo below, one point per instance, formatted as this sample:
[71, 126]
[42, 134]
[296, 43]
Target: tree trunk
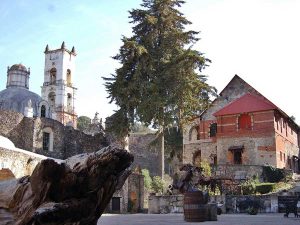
[162, 156]
[75, 192]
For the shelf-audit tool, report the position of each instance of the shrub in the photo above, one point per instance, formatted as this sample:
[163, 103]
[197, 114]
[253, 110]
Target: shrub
[249, 202]
[252, 210]
[147, 179]
[206, 168]
[264, 188]
[272, 174]
[157, 184]
[248, 187]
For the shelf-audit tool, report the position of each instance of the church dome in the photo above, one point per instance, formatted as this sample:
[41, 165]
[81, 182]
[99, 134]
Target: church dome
[18, 76]
[18, 67]
[17, 99]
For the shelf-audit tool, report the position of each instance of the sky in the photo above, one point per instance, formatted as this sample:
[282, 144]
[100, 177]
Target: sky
[257, 39]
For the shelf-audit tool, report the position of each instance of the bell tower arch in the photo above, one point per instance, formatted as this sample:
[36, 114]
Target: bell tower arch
[58, 86]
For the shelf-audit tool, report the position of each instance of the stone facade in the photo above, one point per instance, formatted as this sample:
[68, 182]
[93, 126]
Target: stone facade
[146, 155]
[58, 88]
[242, 127]
[19, 162]
[27, 133]
[159, 204]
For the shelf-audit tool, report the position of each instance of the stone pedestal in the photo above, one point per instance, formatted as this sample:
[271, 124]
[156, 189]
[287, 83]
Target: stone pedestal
[212, 212]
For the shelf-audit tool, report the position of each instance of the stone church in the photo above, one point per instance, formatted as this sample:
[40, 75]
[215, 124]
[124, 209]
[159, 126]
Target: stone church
[57, 94]
[47, 124]
[242, 131]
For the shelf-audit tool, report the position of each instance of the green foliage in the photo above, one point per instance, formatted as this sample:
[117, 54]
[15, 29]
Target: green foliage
[272, 174]
[158, 184]
[206, 168]
[167, 181]
[264, 188]
[252, 210]
[147, 179]
[248, 187]
[158, 82]
[140, 128]
[173, 143]
[83, 122]
[118, 124]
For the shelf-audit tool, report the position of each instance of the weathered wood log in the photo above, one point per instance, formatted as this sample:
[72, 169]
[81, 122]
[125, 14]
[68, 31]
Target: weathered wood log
[74, 192]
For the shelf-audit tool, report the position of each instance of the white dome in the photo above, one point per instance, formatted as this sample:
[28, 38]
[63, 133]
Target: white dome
[6, 143]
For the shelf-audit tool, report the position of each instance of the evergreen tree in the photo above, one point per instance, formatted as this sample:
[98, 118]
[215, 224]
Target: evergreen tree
[83, 122]
[159, 81]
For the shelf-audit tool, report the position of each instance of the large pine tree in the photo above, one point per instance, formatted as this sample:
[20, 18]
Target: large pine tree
[159, 82]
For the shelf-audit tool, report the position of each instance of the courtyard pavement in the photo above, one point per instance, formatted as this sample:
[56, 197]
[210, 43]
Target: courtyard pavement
[174, 219]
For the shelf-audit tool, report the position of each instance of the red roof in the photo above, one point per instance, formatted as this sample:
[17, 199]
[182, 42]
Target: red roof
[246, 103]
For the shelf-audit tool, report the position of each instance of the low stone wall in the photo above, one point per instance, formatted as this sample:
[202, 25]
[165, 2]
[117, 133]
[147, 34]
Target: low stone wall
[239, 171]
[233, 204]
[161, 204]
[239, 204]
[19, 162]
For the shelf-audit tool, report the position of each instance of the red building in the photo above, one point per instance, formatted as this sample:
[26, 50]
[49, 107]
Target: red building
[243, 129]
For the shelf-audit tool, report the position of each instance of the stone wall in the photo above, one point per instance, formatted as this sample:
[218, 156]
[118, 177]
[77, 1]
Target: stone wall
[19, 162]
[239, 204]
[229, 204]
[238, 171]
[160, 204]
[27, 133]
[122, 196]
[146, 156]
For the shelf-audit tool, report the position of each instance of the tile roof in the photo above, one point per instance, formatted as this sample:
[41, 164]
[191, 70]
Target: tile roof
[246, 103]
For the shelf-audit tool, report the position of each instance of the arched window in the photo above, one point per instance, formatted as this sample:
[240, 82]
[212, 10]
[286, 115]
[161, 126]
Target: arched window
[193, 134]
[43, 111]
[52, 76]
[69, 77]
[245, 121]
[69, 101]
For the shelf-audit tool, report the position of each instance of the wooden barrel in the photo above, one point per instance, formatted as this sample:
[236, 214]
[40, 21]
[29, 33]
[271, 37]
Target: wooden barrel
[194, 209]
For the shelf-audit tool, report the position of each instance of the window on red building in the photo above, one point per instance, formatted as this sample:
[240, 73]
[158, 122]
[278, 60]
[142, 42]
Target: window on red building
[237, 157]
[213, 130]
[245, 121]
[237, 152]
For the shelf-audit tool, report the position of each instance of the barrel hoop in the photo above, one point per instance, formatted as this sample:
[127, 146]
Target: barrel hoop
[193, 206]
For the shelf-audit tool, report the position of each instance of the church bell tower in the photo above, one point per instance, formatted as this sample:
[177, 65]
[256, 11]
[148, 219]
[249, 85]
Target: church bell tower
[58, 87]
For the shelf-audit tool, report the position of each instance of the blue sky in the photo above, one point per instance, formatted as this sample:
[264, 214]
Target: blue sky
[256, 39]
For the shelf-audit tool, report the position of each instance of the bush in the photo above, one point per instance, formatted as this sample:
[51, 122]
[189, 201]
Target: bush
[264, 188]
[206, 168]
[249, 203]
[147, 179]
[252, 210]
[248, 187]
[272, 174]
[157, 184]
